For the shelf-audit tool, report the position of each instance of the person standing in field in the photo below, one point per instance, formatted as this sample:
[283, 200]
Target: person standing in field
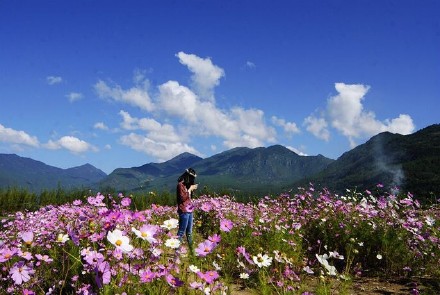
[185, 186]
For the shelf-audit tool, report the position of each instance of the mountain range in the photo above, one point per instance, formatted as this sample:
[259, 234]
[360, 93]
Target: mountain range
[409, 162]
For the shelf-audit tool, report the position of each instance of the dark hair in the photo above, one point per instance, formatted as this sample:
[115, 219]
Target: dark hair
[188, 177]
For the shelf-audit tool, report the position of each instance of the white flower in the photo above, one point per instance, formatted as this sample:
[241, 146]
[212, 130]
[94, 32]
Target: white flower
[194, 268]
[331, 270]
[216, 266]
[429, 220]
[170, 224]
[172, 243]
[262, 260]
[62, 238]
[119, 240]
[145, 233]
[308, 270]
[244, 276]
[156, 252]
[336, 255]
[378, 256]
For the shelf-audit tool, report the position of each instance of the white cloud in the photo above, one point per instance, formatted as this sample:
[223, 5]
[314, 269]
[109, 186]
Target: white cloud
[289, 127]
[297, 151]
[71, 144]
[318, 127]
[163, 133]
[178, 100]
[160, 150]
[100, 125]
[52, 80]
[347, 115]
[9, 135]
[205, 76]
[136, 96]
[74, 96]
[345, 112]
[250, 65]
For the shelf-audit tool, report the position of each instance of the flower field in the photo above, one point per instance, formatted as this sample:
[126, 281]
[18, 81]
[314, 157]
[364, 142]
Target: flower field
[102, 244]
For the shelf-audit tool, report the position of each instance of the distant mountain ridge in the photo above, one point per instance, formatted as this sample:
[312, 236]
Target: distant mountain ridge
[238, 169]
[16, 171]
[410, 162]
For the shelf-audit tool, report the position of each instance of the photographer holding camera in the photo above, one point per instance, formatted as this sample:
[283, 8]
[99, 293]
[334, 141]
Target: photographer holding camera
[185, 186]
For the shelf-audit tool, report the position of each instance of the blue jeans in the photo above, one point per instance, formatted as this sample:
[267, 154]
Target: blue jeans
[185, 226]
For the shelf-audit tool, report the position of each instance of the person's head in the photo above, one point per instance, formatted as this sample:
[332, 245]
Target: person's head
[188, 177]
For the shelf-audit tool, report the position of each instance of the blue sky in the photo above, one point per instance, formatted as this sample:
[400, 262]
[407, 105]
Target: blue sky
[125, 83]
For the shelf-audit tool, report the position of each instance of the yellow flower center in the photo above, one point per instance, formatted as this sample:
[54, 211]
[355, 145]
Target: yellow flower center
[118, 243]
[144, 234]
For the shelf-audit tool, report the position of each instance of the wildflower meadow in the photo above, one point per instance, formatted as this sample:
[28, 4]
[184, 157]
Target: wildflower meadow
[103, 244]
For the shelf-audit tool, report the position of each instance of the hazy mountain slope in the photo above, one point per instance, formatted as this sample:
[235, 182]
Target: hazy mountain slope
[148, 176]
[410, 162]
[244, 169]
[16, 171]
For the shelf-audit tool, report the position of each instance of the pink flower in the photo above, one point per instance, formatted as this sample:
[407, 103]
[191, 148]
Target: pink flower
[205, 248]
[21, 272]
[173, 281]
[206, 207]
[126, 202]
[146, 232]
[147, 275]
[103, 274]
[215, 238]
[27, 237]
[226, 225]
[6, 254]
[209, 276]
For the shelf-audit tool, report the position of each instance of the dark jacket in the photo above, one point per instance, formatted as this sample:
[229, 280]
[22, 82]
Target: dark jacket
[184, 203]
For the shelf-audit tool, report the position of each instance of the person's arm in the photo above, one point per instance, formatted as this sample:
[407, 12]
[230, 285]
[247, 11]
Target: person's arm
[183, 192]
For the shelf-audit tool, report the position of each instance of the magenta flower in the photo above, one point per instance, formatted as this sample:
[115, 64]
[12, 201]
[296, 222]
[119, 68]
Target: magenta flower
[173, 281]
[209, 276]
[27, 237]
[21, 272]
[226, 225]
[146, 275]
[126, 202]
[205, 248]
[103, 274]
[6, 254]
[215, 238]
[206, 207]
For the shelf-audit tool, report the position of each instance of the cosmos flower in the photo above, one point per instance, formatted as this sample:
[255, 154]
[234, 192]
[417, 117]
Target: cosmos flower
[205, 248]
[146, 275]
[262, 260]
[170, 224]
[119, 240]
[244, 276]
[194, 268]
[331, 270]
[62, 238]
[226, 225]
[173, 281]
[21, 272]
[27, 237]
[172, 243]
[209, 276]
[146, 232]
